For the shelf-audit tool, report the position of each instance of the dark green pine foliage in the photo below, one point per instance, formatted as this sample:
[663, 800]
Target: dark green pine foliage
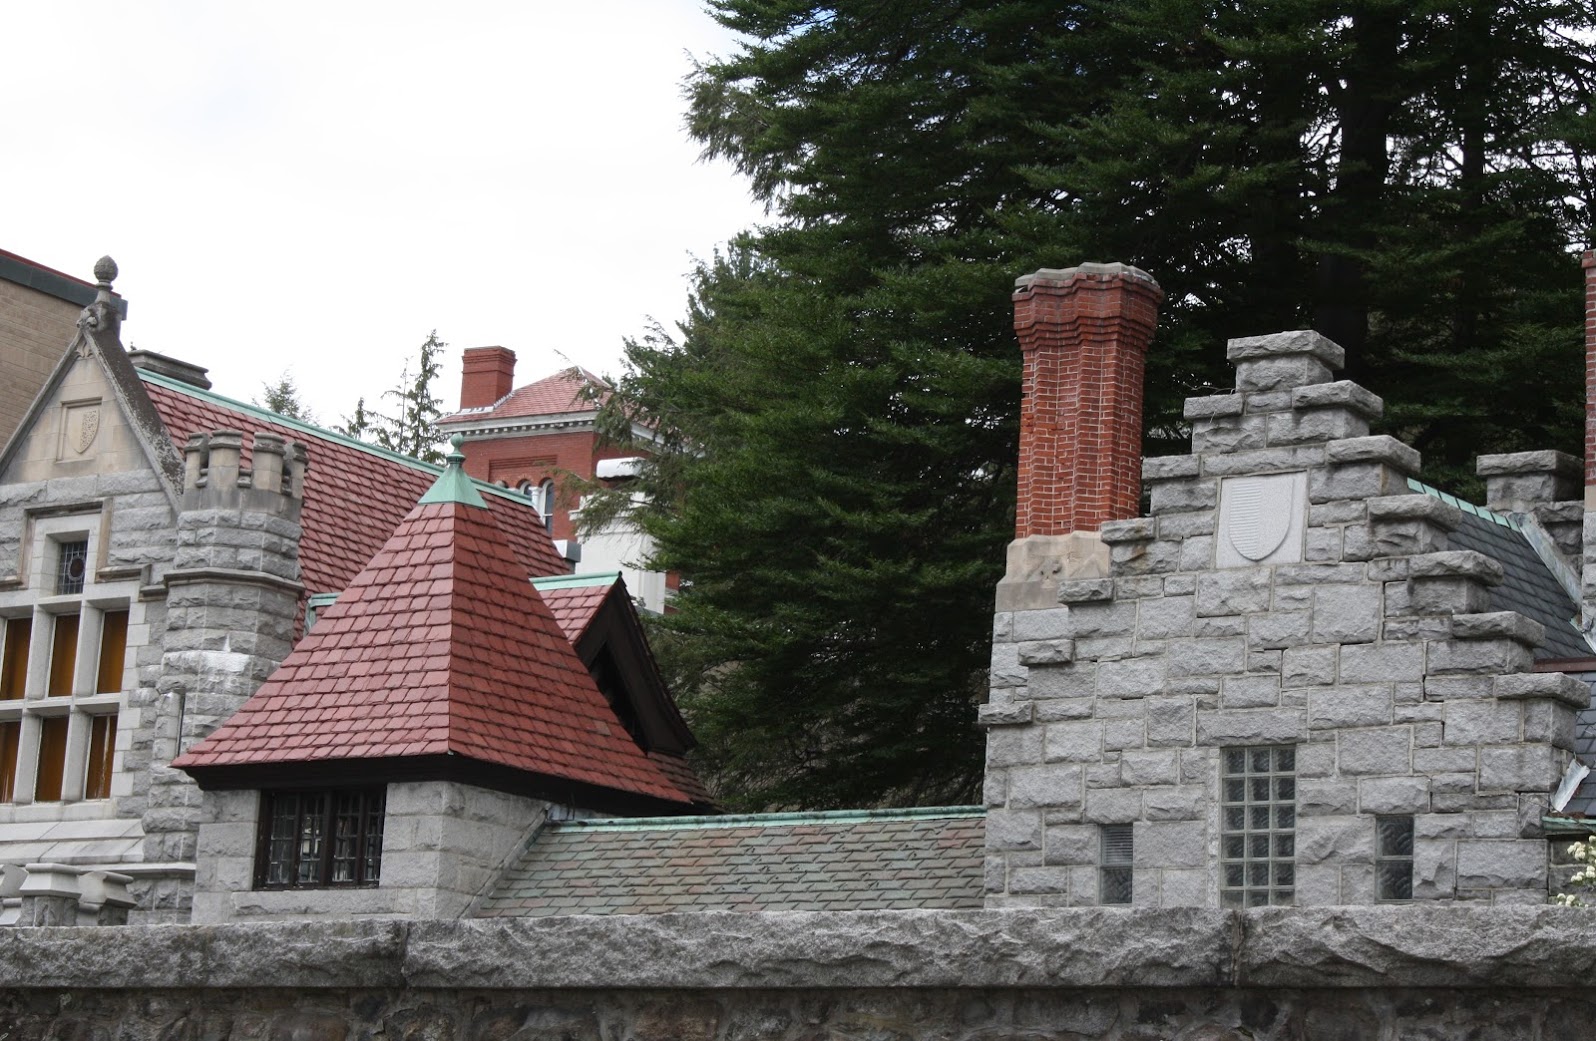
[412, 427]
[839, 412]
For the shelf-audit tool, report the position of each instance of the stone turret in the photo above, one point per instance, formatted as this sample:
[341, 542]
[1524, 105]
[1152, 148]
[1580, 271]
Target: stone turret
[233, 594]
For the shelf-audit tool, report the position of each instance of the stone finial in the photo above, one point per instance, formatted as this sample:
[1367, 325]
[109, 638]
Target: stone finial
[105, 271]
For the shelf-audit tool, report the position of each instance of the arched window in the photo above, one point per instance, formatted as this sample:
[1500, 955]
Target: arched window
[545, 502]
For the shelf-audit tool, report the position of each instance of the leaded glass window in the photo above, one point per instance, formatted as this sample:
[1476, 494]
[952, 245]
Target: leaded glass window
[317, 839]
[1393, 857]
[1258, 826]
[1114, 882]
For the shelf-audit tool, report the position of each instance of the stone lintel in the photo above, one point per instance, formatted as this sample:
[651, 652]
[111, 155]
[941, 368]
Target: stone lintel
[1038, 563]
[1276, 345]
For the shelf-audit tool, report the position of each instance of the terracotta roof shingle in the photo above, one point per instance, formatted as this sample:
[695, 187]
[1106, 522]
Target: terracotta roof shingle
[440, 646]
[559, 394]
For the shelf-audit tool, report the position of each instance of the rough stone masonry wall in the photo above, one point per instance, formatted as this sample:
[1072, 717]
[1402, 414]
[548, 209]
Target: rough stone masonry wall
[1359, 638]
[1190, 975]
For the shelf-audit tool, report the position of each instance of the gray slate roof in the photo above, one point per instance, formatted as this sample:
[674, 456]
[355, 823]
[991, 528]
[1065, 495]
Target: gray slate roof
[1529, 586]
[850, 860]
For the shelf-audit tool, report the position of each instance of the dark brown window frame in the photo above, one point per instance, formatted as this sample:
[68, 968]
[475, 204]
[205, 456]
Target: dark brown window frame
[317, 873]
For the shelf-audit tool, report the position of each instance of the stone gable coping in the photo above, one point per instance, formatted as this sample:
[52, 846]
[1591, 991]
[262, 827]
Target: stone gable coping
[1137, 529]
[1341, 394]
[1547, 461]
[1499, 625]
[1275, 345]
[1455, 563]
[1377, 448]
[1545, 686]
[1213, 406]
[1017, 713]
[1415, 506]
[1085, 590]
[1170, 467]
[1047, 652]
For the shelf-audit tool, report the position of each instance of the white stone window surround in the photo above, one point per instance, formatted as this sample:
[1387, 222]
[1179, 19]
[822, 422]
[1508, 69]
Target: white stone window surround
[35, 598]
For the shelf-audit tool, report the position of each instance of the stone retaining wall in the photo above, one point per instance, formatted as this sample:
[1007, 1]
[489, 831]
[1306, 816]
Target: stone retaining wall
[1341, 973]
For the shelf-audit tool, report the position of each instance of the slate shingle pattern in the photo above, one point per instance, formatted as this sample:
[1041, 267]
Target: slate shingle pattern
[1528, 586]
[439, 646]
[772, 862]
[575, 607]
[560, 394]
[354, 496]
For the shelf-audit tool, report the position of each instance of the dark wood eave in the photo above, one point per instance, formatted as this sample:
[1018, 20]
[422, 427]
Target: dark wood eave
[354, 773]
[615, 626]
[1566, 665]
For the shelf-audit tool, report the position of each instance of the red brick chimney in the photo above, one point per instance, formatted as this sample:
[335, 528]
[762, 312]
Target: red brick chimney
[1084, 332]
[488, 374]
[1590, 378]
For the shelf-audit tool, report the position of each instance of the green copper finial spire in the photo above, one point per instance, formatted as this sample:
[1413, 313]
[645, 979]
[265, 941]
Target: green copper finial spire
[453, 485]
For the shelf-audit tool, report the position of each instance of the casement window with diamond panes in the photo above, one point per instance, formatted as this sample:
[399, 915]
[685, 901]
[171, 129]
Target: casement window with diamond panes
[320, 839]
[63, 661]
[1258, 833]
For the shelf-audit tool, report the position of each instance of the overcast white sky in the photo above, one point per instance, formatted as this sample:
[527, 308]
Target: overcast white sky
[313, 187]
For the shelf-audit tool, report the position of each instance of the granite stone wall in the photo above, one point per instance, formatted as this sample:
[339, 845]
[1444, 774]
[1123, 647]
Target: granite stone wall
[1287, 590]
[1269, 975]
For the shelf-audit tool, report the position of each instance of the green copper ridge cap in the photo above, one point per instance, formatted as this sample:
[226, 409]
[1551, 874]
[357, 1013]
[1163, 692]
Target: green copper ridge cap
[772, 820]
[453, 485]
[598, 578]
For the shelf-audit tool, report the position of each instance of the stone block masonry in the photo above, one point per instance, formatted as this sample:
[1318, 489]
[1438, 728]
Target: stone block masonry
[1286, 650]
[1500, 974]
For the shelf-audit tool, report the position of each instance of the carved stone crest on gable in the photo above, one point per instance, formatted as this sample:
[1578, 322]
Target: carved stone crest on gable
[1261, 520]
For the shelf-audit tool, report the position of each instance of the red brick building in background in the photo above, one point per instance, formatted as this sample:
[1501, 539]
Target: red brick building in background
[534, 439]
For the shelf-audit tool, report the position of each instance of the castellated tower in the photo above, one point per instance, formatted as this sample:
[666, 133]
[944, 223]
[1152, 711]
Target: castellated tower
[233, 594]
[1294, 682]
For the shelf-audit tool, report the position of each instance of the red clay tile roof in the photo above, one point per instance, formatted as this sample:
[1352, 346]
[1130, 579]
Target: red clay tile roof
[551, 396]
[575, 607]
[355, 495]
[438, 647]
[762, 862]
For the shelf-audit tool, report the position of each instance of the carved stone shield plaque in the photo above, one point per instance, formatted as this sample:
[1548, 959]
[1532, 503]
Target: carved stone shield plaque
[88, 425]
[1261, 520]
